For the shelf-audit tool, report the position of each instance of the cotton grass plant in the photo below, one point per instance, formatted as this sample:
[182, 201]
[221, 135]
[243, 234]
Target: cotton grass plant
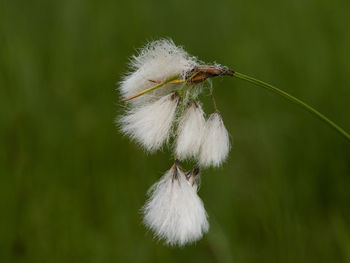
[162, 95]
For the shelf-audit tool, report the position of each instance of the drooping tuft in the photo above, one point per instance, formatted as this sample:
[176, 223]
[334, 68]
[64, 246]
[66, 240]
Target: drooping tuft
[150, 124]
[174, 211]
[190, 132]
[216, 143]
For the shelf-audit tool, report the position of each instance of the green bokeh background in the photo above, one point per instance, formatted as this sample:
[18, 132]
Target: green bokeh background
[71, 185]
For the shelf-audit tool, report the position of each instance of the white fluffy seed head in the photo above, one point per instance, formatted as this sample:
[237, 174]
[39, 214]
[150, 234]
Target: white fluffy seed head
[174, 211]
[150, 124]
[216, 143]
[190, 130]
[157, 61]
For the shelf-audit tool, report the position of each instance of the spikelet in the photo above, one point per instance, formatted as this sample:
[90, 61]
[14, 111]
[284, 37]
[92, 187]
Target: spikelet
[190, 130]
[150, 124]
[157, 61]
[216, 143]
[174, 211]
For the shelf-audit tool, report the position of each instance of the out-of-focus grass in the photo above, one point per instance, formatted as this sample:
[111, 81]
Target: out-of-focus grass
[71, 185]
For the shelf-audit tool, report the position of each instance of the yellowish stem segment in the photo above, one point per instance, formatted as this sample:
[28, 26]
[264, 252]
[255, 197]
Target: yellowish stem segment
[171, 80]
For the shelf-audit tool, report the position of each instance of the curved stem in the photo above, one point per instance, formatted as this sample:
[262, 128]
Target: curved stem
[294, 100]
[171, 80]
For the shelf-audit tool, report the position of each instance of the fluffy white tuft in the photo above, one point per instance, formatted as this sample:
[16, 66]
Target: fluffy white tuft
[190, 132]
[157, 61]
[216, 143]
[174, 211]
[150, 124]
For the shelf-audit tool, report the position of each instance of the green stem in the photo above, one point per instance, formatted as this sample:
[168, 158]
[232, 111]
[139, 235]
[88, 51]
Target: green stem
[208, 84]
[169, 80]
[293, 99]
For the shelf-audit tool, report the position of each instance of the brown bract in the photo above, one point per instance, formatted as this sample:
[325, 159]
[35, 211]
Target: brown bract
[204, 72]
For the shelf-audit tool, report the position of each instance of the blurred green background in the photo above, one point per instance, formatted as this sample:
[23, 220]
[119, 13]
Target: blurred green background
[71, 185]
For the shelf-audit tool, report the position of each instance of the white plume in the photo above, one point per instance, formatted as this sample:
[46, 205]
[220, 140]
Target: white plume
[174, 211]
[190, 132]
[157, 61]
[150, 124]
[216, 143]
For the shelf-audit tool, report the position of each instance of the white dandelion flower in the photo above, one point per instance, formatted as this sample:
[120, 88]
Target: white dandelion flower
[174, 211]
[157, 61]
[190, 130]
[150, 124]
[216, 143]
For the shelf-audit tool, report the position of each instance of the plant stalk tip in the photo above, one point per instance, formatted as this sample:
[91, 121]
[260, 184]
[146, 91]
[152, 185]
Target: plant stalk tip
[294, 100]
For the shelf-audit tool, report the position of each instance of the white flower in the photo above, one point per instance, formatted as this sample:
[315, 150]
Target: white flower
[150, 124]
[216, 143]
[190, 131]
[157, 61]
[174, 211]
